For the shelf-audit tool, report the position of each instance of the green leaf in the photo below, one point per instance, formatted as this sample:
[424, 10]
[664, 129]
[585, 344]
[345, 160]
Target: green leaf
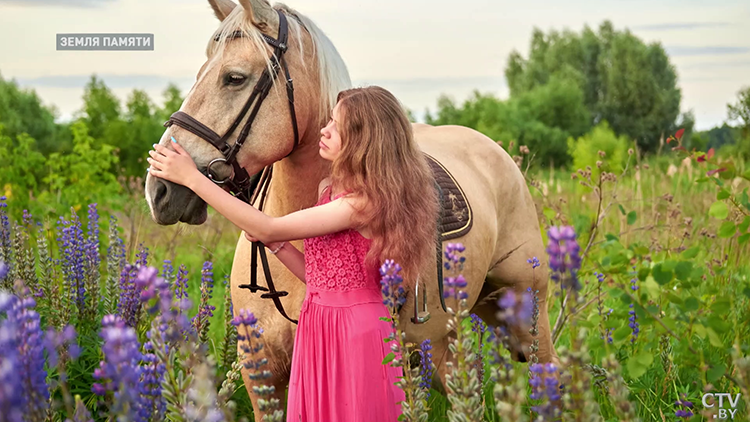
[715, 372]
[692, 304]
[611, 237]
[621, 333]
[622, 210]
[388, 358]
[643, 272]
[661, 275]
[549, 213]
[721, 306]
[638, 364]
[743, 226]
[743, 239]
[718, 210]
[691, 252]
[723, 194]
[683, 269]
[727, 229]
[746, 174]
[631, 218]
[674, 298]
[746, 292]
[700, 330]
[713, 338]
[718, 324]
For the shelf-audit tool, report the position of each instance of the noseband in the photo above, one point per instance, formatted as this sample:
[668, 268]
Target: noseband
[240, 184]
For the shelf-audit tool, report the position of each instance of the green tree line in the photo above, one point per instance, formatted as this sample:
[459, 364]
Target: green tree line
[575, 94]
[575, 90]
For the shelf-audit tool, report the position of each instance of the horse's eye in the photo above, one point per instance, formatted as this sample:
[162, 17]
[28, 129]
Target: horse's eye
[234, 79]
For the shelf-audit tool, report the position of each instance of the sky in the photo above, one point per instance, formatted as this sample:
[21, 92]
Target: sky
[418, 49]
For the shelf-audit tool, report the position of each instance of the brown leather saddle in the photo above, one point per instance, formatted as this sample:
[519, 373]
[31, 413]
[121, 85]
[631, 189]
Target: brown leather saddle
[455, 220]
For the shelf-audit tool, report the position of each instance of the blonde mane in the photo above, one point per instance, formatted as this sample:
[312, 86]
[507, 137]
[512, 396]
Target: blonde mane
[333, 74]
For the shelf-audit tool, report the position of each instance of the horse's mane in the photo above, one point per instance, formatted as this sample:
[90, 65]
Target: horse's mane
[334, 76]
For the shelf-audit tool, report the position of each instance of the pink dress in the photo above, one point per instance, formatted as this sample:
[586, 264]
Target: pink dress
[337, 371]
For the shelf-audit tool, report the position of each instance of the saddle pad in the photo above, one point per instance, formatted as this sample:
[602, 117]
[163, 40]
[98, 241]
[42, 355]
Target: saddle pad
[456, 216]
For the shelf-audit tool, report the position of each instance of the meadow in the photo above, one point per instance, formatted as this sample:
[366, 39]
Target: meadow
[649, 300]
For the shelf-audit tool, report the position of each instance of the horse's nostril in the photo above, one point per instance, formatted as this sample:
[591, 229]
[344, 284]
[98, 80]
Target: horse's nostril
[161, 192]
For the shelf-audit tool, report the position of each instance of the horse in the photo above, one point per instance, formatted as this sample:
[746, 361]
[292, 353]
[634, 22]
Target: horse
[282, 131]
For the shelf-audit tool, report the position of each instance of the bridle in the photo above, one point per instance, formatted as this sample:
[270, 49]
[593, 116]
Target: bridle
[240, 184]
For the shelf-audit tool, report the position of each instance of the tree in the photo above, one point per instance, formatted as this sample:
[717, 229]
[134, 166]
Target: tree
[21, 111]
[741, 112]
[631, 85]
[100, 107]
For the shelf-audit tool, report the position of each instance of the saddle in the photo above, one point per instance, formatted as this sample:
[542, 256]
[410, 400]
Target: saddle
[454, 220]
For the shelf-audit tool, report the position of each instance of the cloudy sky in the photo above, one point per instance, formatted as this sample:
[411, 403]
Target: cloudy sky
[416, 48]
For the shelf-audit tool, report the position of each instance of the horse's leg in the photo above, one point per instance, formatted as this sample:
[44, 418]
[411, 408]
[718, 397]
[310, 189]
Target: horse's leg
[515, 273]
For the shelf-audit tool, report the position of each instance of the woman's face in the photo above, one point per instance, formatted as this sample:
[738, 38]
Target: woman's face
[330, 137]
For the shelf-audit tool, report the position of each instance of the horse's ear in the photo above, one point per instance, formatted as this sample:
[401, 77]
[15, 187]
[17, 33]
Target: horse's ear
[261, 14]
[222, 8]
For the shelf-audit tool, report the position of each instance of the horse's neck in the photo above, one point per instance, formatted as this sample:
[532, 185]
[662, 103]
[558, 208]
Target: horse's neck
[295, 180]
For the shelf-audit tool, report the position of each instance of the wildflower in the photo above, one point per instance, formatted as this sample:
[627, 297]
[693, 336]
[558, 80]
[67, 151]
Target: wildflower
[118, 372]
[151, 373]
[454, 287]
[391, 287]
[634, 325]
[686, 412]
[452, 254]
[514, 309]
[545, 387]
[201, 320]
[564, 256]
[22, 342]
[534, 262]
[3, 270]
[426, 366]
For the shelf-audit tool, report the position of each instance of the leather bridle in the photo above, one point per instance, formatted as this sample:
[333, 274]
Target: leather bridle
[239, 183]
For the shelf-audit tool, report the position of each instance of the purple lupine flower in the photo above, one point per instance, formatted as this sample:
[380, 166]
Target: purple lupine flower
[173, 323]
[141, 258]
[635, 327]
[515, 310]
[564, 256]
[54, 340]
[544, 387]
[477, 325]
[454, 287]
[12, 398]
[5, 243]
[129, 305]
[23, 323]
[118, 372]
[73, 252]
[247, 334]
[26, 218]
[3, 270]
[633, 284]
[167, 271]
[391, 286]
[201, 320]
[181, 283]
[534, 261]
[684, 413]
[452, 254]
[425, 366]
[153, 404]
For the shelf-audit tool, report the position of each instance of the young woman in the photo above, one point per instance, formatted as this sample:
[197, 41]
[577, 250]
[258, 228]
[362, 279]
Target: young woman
[380, 186]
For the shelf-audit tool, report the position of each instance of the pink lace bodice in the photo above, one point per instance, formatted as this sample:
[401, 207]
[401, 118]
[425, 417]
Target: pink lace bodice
[336, 261]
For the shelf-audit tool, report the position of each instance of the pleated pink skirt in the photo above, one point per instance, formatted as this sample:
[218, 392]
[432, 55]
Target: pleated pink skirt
[337, 370]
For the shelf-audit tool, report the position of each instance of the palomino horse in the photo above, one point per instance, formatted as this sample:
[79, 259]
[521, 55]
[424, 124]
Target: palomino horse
[505, 229]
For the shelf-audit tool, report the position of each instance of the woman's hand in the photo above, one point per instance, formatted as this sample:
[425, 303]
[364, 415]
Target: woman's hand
[272, 245]
[176, 166]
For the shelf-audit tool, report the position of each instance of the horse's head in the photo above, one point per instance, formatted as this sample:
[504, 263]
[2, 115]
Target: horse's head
[228, 102]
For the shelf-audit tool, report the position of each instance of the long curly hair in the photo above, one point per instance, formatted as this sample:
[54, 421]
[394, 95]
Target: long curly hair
[381, 161]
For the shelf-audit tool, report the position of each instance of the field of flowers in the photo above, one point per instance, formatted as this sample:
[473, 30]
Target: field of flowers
[649, 304]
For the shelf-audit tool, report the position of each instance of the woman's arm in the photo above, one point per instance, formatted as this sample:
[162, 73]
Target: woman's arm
[328, 218]
[291, 257]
